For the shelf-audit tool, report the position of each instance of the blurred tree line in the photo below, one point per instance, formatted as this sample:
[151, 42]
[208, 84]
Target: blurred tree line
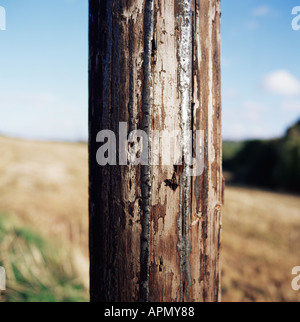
[273, 164]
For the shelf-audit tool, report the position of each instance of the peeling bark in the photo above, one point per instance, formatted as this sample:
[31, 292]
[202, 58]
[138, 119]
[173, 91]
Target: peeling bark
[155, 232]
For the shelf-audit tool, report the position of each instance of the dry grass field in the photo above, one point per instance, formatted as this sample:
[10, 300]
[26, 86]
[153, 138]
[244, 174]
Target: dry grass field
[44, 186]
[261, 245]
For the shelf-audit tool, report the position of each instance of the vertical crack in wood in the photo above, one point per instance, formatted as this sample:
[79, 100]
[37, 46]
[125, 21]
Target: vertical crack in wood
[146, 169]
[131, 77]
[185, 73]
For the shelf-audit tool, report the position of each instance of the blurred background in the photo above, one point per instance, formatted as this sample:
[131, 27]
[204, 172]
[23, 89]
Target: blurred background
[43, 164]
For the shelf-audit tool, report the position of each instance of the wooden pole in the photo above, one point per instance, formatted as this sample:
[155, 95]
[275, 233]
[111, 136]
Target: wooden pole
[155, 227]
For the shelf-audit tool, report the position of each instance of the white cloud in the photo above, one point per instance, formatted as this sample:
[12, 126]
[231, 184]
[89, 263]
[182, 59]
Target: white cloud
[246, 122]
[230, 93]
[27, 100]
[257, 13]
[291, 106]
[261, 11]
[225, 62]
[42, 115]
[238, 131]
[252, 25]
[282, 82]
[253, 106]
[252, 111]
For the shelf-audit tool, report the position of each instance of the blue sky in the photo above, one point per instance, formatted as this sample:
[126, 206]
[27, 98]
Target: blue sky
[44, 70]
[260, 68]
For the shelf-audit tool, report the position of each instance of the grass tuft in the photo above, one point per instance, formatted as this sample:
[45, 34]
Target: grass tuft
[37, 270]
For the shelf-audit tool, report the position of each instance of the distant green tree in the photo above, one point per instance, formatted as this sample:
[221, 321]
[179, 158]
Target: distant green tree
[288, 169]
[271, 164]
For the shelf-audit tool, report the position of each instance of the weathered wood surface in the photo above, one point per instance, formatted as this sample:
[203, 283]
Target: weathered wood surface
[155, 64]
